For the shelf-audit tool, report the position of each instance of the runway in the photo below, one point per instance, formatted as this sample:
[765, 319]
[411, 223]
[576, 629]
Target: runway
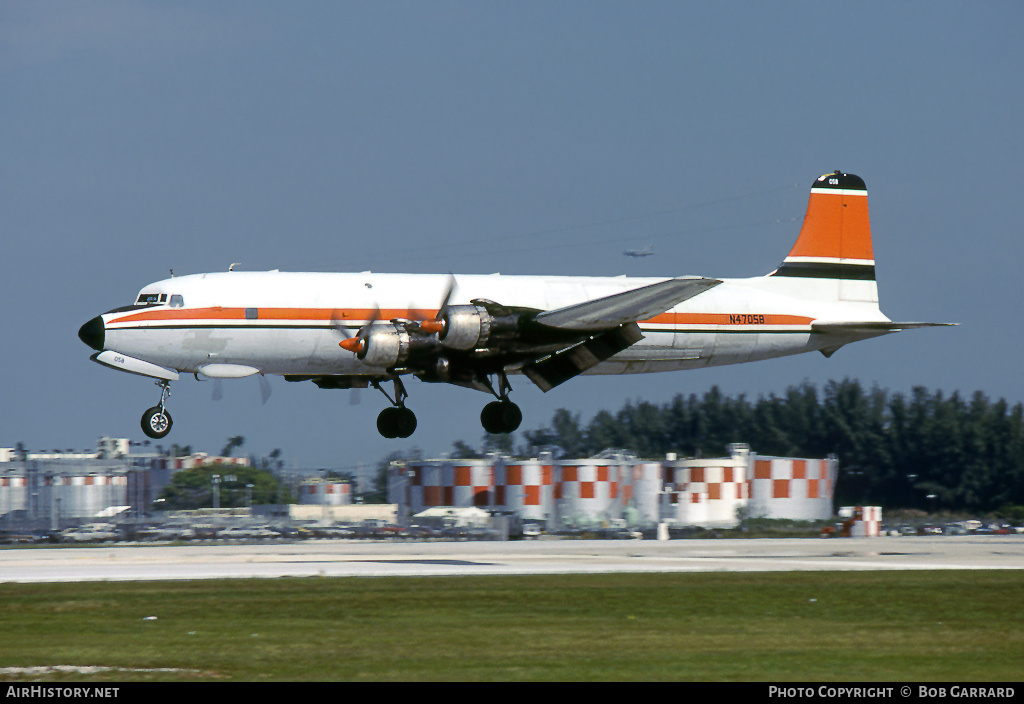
[352, 558]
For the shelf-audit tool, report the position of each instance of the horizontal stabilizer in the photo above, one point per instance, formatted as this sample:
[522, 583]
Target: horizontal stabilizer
[628, 306]
[873, 327]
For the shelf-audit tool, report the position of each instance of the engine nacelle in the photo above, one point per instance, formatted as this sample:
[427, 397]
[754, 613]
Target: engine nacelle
[468, 327]
[389, 345]
[386, 345]
[465, 327]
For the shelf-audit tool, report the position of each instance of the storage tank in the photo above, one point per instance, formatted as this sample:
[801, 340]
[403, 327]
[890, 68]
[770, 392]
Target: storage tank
[468, 483]
[13, 493]
[710, 493]
[527, 488]
[642, 494]
[424, 484]
[85, 496]
[587, 492]
[799, 489]
[319, 492]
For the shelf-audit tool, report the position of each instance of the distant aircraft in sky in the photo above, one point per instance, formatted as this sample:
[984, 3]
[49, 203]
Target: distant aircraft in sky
[344, 331]
[645, 252]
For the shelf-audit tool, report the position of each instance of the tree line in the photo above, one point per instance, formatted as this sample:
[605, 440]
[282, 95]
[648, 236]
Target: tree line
[927, 449]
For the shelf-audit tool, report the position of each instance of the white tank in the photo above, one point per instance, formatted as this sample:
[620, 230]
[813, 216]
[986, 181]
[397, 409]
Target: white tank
[527, 488]
[13, 493]
[799, 489]
[645, 492]
[469, 483]
[423, 483]
[587, 492]
[709, 492]
[325, 493]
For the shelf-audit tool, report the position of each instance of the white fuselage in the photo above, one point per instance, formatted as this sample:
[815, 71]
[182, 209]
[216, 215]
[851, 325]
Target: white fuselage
[291, 323]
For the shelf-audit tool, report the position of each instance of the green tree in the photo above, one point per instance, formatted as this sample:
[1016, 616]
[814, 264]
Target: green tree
[193, 488]
[233, 444]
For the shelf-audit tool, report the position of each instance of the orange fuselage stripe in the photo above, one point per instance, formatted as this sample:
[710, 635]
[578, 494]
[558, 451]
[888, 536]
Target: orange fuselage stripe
[357, 315]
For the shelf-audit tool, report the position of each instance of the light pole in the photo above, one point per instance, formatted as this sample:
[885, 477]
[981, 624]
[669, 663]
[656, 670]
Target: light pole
[215, 479]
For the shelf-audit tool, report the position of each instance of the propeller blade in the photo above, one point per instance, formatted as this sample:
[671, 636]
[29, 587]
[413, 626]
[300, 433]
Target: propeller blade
[437, 324]
[264, 389]
[218, 390]
[447, 297]
[356, 343]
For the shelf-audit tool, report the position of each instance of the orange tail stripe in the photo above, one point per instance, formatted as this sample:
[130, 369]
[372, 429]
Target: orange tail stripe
[836, 226]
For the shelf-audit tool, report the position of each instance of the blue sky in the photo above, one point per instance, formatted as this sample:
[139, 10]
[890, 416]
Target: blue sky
[474, 137]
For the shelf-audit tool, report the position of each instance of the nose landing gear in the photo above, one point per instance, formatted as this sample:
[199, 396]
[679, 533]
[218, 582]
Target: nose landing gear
[156, 421]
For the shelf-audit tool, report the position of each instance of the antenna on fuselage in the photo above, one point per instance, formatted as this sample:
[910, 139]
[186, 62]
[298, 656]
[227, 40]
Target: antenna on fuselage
[232, 267]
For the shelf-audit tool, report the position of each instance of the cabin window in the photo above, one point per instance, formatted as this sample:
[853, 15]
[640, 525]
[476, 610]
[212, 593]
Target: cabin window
[252, 314]
[177, 301]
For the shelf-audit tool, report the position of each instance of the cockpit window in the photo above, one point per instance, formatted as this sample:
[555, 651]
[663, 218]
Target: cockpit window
[177, 301]
[151, 299]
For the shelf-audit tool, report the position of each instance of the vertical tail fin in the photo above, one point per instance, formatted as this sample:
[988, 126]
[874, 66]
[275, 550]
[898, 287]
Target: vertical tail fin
[835, 240]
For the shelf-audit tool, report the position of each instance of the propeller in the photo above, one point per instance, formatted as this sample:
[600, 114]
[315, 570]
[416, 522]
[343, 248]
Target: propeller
[437, 324]
[265, 389]
[358, 342]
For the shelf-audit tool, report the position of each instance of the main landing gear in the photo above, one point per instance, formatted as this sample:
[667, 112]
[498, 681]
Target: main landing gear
[397, 421]
[156, 421]
[501, 416]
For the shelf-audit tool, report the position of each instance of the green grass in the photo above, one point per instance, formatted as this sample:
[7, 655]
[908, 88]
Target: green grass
[803, 626]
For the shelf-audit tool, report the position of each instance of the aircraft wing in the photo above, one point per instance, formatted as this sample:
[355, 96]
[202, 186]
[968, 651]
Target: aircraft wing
[626, 307]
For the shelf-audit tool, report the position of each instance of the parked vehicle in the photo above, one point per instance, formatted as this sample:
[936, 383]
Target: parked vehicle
[91, 533]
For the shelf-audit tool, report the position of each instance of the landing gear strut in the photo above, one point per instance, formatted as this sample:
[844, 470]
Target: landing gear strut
[396, 421]
[156, 421]
[501, 416]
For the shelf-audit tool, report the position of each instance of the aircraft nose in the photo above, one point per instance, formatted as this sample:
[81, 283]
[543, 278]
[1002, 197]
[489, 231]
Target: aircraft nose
[92, 333]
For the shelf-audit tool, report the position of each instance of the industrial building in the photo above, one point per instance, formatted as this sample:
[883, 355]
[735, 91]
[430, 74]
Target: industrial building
[616, 488]
[612, 489]
[54, 489]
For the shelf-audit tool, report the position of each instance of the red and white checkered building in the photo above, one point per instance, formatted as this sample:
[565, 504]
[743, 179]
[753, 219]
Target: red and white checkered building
[783, 487]
[325, 493]
[697, 492]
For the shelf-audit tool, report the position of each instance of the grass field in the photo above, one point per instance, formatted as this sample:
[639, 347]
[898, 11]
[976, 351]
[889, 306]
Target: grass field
[809, 626]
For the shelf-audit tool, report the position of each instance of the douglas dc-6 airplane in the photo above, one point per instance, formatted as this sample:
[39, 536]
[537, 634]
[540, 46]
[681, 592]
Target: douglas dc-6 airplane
[342, 331]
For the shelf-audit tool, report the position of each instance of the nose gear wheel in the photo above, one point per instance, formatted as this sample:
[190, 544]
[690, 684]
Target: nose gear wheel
[156, 421]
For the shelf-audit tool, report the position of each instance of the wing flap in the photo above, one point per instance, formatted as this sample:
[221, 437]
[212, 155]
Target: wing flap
[628, 306]
[557, 368]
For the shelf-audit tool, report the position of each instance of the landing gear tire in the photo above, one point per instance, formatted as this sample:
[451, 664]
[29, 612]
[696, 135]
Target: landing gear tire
[396, 422]
[156, 422]
[501, 417]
